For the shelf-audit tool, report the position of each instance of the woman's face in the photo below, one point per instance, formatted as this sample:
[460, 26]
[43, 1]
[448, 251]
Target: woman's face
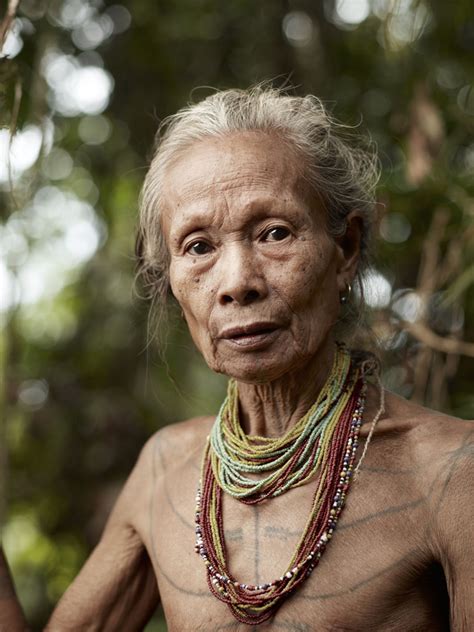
[252, 265]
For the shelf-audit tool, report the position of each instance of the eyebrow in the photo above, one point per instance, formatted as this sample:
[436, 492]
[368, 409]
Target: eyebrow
[258, 210]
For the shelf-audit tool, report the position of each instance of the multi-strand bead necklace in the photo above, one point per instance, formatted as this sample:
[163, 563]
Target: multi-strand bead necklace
[322, 444]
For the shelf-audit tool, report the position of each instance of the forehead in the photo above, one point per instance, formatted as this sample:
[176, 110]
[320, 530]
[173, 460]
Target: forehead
[242, 165]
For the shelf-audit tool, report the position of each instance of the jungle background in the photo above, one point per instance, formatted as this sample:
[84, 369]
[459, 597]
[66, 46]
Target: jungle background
[84, 84]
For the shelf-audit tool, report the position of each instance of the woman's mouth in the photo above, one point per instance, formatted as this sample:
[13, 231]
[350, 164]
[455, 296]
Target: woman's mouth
[251, 337]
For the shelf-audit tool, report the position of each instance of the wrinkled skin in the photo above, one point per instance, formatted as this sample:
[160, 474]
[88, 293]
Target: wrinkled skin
[249, 244]
[250, 250]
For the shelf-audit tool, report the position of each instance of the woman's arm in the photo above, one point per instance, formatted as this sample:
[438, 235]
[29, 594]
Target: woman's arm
[116, 589]
[453, 517]
[11, 614]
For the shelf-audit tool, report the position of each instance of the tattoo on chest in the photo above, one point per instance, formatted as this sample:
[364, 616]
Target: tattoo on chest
[273, 532]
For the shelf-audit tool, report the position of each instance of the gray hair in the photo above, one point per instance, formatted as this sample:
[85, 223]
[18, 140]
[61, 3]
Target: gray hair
[341, 169]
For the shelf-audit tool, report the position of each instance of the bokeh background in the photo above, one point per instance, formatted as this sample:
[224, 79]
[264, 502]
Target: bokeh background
[84, 84]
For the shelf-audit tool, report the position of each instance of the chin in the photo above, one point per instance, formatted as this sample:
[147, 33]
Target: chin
[256, 370]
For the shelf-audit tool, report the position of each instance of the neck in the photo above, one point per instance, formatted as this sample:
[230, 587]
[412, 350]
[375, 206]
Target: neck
[272, 408]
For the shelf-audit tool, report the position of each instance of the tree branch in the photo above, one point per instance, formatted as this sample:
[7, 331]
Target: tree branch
[7, 21]
[446, 345]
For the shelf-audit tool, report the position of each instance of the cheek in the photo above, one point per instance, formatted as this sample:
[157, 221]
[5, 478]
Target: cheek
[194, 299]
[313, 294]
[309, 281]
[185, 285]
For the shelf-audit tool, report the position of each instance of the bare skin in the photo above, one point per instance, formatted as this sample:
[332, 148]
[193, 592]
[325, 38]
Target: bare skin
[250, 250]
[401, 553]
[11, 614]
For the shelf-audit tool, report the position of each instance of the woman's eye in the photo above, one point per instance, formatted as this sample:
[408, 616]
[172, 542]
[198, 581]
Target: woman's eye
[276, 234]
[199, 248]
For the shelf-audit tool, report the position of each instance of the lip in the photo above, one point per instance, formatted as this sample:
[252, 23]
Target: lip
[252, 336]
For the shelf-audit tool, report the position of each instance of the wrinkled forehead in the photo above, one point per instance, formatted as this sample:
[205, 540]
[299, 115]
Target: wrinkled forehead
[246, 164]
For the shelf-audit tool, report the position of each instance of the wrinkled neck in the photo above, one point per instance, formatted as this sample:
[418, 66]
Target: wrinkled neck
[273, 408]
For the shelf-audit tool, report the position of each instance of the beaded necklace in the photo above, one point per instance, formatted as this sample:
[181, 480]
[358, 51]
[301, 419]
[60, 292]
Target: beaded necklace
[323, 444]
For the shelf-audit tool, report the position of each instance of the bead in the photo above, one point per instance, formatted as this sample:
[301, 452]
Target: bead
[236, 455]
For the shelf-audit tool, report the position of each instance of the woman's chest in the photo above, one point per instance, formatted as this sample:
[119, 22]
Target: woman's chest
[370, 577]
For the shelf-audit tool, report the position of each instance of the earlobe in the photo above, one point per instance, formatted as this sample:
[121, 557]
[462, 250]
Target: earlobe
[344, 298]
[349, 246]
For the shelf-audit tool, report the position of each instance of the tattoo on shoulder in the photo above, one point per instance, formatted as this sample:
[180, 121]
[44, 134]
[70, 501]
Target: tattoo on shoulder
[464, 450]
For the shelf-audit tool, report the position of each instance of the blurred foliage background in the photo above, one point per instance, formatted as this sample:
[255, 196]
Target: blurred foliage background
[84, 84]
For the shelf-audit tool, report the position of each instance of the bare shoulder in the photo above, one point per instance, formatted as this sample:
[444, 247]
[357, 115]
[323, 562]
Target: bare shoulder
[174, 446]
[186, 435]
[431, 448]
[177, 441]
[434, 453]
[430, 434]
[440, 448]
[419, 435]
[180, 441]
[443, 447]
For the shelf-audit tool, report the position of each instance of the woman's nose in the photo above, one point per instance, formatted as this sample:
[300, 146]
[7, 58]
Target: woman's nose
[242, 281]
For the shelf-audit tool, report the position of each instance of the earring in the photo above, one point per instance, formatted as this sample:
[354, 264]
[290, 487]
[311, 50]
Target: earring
[345, 297]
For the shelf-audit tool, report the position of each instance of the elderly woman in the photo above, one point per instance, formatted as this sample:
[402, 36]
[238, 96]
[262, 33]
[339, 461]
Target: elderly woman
[256, 217]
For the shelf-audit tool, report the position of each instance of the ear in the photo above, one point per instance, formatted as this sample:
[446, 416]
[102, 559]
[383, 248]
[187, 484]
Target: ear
[348, 246]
